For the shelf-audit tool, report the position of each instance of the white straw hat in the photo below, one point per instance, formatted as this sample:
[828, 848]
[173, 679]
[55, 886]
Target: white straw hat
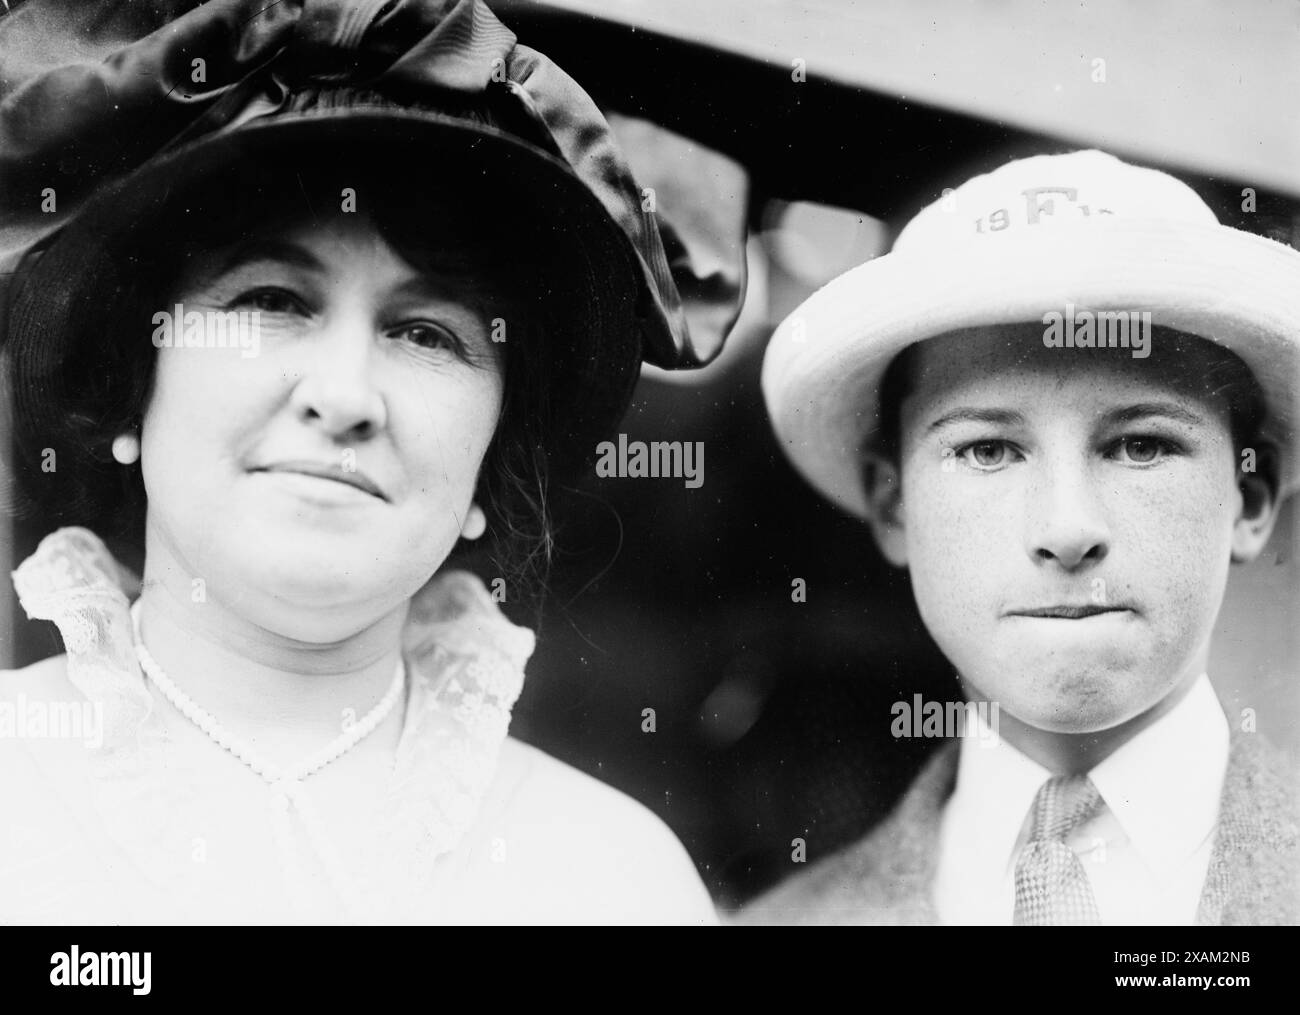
[1029, 238]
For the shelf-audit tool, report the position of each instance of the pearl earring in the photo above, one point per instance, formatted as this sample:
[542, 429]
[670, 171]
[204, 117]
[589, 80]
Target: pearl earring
[126, 449]
[475, 523]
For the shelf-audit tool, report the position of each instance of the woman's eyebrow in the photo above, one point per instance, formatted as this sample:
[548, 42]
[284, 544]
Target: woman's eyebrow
[1143, 410]
[267, 249]
[462, 288]
[441, 286]
[1005, 417]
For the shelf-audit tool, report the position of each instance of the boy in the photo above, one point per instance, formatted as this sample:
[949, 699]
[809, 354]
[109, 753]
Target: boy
[1065, 402]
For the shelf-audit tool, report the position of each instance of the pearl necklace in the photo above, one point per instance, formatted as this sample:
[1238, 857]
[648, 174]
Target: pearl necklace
[287, 791]
[274, 777]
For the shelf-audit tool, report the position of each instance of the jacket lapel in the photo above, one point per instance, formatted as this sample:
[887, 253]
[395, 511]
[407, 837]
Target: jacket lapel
[1254, 873]
[887, 877]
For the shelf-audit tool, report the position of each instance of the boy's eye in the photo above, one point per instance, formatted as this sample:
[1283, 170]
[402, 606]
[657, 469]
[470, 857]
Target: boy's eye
[270, 300]
[430, 336]
[984, 454]
[1142, 450]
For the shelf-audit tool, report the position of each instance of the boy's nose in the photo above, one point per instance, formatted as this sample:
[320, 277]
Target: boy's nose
[1066, 523]
[337, 391]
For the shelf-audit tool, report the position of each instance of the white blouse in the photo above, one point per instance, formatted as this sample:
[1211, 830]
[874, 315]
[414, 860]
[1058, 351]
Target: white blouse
[107, 821]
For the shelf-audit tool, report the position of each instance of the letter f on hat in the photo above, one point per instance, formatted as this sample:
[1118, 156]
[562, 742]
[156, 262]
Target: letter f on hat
[1034, 208]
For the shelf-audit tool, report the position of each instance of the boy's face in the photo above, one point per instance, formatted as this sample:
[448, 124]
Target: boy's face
[1068, 517]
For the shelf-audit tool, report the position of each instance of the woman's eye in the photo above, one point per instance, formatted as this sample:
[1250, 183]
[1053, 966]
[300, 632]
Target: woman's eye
[1142, 450]
[984, 454]
[269, 300]
[430, 336]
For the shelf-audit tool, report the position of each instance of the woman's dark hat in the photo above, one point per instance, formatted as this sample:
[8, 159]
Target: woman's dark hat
[111, 114]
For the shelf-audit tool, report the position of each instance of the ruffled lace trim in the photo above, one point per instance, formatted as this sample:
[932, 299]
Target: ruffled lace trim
[465, 662]
[75, 582]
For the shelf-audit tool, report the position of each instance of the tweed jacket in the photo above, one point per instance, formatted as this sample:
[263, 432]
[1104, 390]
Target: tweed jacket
[886, 877]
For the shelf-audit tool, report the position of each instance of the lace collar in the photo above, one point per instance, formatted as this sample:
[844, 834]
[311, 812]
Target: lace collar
[465, 665]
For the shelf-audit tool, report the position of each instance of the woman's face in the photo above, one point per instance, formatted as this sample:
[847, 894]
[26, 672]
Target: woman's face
[316, 471]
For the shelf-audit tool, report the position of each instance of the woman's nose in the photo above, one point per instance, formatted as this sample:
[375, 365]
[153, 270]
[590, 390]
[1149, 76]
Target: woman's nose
[337, 392]
[1066, 519]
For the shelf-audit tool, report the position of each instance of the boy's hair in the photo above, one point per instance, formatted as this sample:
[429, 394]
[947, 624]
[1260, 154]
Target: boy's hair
[1219, 372]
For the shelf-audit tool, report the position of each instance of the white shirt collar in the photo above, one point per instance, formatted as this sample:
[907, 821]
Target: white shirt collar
[996, 785]
[1162, 786]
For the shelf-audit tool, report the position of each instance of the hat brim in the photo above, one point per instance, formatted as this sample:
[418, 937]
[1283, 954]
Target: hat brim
[592, 281]
[823, 366]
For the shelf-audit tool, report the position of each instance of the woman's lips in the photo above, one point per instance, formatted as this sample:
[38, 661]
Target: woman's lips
[319, 470]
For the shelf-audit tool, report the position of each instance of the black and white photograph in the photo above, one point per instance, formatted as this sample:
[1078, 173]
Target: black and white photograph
[585, 463]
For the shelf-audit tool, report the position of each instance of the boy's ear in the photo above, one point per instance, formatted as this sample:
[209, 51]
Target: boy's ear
[1258, 478]
[884, 489]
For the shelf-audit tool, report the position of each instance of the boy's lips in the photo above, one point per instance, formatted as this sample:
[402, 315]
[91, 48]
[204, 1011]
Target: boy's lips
[1068, 612]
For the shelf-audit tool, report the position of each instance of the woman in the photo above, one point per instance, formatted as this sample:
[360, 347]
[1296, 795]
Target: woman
[361, 280]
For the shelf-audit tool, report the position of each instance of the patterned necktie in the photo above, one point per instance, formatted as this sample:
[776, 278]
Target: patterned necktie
[1051, 885]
